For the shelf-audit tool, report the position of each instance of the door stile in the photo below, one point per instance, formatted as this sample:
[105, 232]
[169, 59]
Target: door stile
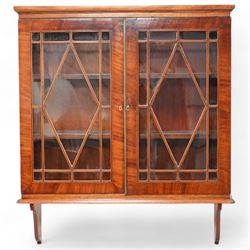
[132, 95]
[125, 103]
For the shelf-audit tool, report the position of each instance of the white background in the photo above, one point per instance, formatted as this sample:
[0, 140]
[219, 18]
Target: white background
[121, 226]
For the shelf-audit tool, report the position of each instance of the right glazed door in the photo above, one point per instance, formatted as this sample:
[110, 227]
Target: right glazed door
[175, 106]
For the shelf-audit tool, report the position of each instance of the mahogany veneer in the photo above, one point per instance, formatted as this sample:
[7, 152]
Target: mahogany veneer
[125, 104]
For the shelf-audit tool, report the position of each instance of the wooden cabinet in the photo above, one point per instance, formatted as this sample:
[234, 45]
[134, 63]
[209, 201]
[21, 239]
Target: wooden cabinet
[125, 104]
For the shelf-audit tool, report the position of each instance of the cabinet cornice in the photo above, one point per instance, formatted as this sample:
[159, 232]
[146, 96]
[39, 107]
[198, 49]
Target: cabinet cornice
[123, 11]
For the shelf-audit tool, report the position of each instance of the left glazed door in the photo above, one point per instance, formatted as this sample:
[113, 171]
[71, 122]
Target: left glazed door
[71, 106]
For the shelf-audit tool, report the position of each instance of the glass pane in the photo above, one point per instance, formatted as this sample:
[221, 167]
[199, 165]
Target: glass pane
[177, 106]
[178, 143]
[57, 176]
[54, 158]
[213, 153]
[37, 154]
[178, 68]
[196, 55]
[143, 122]
[36, 74]
[56, 36]
[106, 74]
[37, 176]
[142, 91]
[106, 164]
[52, 54]
[37, 138]
[106, 58]
[36, 61]
[37, 123]
[163, 35]
[105, 35]
[202, 84]
[142, 58]
[143, 153]
[89, 56]
[159, 55]
[86, 176]
[106, 176]
[159, 155]
[85, 36]
[153, 82]
[143, 138]
[106, 122]
[212, 176]
[35, 36]
[213, 138]
[196, 155]
[212, 90]
[213, 35]
[105, 91]
[193, 35]
[213, 122]
[71, 106]
[142, 35]
[36, 93]
[89, 157]
[213, 58]
[143, 176]
[162, 176]
[106, 135]
[193, 176]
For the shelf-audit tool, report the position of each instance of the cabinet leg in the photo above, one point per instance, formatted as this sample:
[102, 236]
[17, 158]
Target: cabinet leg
[37, 215]
[217, 212]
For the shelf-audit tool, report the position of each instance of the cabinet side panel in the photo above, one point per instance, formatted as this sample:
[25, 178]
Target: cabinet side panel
[25, 106]
[224, 101]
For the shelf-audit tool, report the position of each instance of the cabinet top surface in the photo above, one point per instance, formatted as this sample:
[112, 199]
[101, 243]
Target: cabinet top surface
[124, 11]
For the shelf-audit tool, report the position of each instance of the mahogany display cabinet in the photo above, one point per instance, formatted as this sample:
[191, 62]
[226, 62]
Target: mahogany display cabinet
[125, 105]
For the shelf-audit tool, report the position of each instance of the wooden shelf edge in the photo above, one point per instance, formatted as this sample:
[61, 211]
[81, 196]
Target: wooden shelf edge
[124, 199]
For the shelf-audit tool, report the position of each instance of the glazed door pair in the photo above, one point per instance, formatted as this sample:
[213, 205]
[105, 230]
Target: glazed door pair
[169, 69]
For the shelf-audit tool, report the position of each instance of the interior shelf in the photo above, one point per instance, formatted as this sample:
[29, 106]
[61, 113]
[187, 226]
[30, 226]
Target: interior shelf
[91, 76]
[177, 75]
[185, 134]
[94, 76]
[94, 135]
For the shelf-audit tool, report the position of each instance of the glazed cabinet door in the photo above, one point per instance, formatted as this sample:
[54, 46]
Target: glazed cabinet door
[71, 106]
[178, 92]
